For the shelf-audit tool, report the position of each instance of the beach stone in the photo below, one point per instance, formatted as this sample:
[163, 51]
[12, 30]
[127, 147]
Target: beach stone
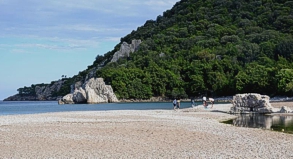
[251, 102]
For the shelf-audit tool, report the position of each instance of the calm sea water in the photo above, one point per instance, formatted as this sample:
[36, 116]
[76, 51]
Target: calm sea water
[28, 107]
[282, 123]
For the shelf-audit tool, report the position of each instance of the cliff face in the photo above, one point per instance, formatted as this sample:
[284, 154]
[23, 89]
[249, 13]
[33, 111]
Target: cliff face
[42, 93]
[126, 49]
[46, 92]
[92, 91]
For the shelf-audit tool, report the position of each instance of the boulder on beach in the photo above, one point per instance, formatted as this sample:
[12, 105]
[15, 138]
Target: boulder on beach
[251, 102]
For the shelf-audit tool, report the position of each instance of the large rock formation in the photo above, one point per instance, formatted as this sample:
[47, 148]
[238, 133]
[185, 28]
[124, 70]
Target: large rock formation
[46, 92]
[126, 49]
[251, 102]
[42, 93]
[92, 91]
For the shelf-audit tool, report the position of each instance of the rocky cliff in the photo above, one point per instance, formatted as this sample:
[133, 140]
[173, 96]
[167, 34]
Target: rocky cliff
[126, 49]
[41, 93]
[91, 92]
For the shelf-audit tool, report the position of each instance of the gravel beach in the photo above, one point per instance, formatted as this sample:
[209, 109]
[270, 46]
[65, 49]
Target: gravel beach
[186, 133]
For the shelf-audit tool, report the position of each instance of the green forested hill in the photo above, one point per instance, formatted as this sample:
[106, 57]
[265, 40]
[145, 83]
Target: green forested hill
[219, 47]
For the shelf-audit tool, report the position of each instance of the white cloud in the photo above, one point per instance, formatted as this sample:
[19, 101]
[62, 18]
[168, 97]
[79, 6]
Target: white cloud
[22, 51]
[93, 28]
[100, 6]
[115, 39]
[73, 24]
[51, 46]
[161, 3]
[77, 27]
[114, 7]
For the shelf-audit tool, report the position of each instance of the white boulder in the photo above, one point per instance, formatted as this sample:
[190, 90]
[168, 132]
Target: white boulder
[251, 102]
[92, 91]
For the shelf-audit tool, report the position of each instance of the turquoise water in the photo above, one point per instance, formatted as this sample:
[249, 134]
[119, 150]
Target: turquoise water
[28, 107]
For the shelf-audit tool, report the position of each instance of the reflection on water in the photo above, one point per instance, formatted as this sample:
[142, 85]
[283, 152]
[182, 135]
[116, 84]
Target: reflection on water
[276, 122]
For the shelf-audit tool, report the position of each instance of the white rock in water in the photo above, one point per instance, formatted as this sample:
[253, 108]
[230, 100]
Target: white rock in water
[92, 91]
[79, 96]
[68, 99]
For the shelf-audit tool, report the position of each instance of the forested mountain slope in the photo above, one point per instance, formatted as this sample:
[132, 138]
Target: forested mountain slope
[219, 47]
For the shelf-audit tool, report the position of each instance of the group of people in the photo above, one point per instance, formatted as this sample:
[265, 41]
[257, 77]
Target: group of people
[176, 103]
[205, 103]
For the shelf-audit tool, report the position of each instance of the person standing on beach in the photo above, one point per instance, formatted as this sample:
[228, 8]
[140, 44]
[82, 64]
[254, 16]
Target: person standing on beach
[178, 103]
[174, 103]
[212, 101]
[204, 101]
[192, 103]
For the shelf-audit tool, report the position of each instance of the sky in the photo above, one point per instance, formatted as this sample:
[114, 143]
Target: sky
[41, 40]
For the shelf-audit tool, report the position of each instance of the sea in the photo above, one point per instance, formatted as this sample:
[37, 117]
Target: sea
[36, 107]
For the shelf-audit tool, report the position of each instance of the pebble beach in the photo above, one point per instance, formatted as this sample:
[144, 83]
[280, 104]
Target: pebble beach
[184, 133]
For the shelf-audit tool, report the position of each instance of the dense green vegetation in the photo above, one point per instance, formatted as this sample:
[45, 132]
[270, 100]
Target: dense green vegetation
[219, 47]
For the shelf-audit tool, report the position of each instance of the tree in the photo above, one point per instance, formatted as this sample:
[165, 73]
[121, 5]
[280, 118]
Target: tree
[285, 49]
[254, 78]
[285, 81]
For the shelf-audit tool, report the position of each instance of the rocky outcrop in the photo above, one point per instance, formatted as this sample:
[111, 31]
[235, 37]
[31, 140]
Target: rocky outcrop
[92, 91]
[42, 93]
[251, 102]
[126, 49]
[19, 97]
[46, 92]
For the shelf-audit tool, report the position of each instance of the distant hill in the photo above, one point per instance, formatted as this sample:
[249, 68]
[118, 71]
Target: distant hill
[211, 47]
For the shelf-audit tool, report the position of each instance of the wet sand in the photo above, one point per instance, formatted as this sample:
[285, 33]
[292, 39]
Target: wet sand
[280, 104]
[186, 133]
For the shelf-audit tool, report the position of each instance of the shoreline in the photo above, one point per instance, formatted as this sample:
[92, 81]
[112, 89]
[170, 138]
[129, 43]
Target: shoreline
[186, 133]
[226, 99]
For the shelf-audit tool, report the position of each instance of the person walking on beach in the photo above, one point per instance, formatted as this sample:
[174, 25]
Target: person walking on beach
[174, 103]
[212, 101]
[204, 101]
[178, 103]
[192, 103]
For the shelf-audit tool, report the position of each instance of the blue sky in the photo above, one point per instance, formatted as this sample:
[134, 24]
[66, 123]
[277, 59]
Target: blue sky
[41, 40]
